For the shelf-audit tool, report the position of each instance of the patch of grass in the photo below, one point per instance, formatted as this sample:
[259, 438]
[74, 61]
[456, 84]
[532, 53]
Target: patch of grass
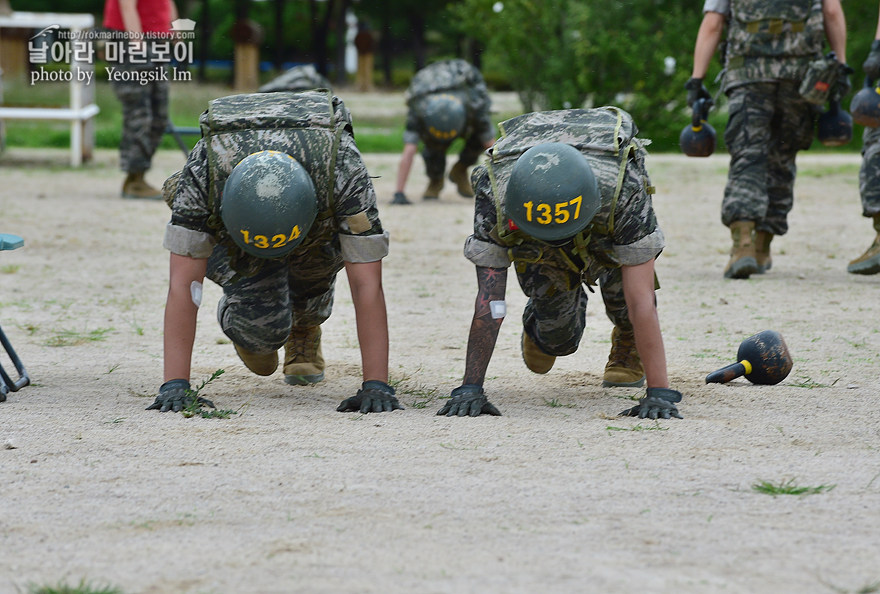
[788, 487]
[424, 394]
[806, 382]
[10, 268]
[554, 403]
[82, 588]
[64, 338]
[639, 427]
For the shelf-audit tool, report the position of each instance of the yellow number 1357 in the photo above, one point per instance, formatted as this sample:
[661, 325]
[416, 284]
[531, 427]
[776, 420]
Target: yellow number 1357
[544, 214]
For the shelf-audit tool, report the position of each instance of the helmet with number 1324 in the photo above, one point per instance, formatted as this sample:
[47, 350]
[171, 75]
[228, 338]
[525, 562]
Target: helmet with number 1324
[269, 204]
[552, 194]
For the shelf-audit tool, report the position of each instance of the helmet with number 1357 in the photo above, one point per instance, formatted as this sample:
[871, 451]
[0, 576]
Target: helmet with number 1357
[552, 194]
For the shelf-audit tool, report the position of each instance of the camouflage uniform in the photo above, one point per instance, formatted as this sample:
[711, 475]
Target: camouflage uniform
[458, 78]
[770, 45]
[263, 298]
[298, 78]
[144, 116]
[869, 174]
[623, 232]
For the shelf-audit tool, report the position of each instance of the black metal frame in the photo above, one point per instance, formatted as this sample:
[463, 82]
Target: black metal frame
[7, 384]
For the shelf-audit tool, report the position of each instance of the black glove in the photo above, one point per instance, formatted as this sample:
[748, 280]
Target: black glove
[468, 400]
[871, 65]
[374, 396]
[696, 90]
[175, 395]
[658, 402]
[400, 198]
[844, 86]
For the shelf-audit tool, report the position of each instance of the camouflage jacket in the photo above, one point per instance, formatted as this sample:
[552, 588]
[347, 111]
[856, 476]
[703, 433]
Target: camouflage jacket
[455, 77]
[314, 128]
[770, 40]
[623, 232]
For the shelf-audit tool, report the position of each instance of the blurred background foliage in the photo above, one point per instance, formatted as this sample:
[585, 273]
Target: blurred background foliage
[552, 53]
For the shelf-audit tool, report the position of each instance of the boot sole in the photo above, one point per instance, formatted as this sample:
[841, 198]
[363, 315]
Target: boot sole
[869, 266]
[742, 268]
[303, 380]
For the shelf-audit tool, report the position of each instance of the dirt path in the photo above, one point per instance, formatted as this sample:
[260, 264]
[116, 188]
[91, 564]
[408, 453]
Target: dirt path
[557, 495]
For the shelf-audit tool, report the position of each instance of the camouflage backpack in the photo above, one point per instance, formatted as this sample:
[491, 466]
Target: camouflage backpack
[772, 39]
[305, 125]
[607, 137]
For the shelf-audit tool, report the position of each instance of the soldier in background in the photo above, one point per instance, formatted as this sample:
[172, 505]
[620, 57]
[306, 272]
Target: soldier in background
[144, 106]
[446, 100]
[565, 198]
[273, 202]
[770, 46]
[869, 174]
[298, 78]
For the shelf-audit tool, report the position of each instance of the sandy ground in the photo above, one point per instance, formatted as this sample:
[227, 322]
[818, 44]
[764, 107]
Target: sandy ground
[557, 495]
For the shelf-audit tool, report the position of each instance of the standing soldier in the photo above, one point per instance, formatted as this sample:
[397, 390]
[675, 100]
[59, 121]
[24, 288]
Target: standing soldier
[869, 174]
[770, 46]
[446, 100]
[273, 201]
[144, 104]
[565, 197]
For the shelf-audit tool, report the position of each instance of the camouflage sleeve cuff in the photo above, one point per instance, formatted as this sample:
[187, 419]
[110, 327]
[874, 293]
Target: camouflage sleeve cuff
[410, 137]
[186, 242]
[722, 6]
[363, 248]
[645, 249]
[484, 253]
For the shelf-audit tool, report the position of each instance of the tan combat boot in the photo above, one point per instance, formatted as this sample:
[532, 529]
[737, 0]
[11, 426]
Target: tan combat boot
[742, 262]
[259, 363]
[869, 262]
[459, 176]
[624, 368]
[535, 359]
[762, 251]
[135, 186]
[432, 192]
[303, 361]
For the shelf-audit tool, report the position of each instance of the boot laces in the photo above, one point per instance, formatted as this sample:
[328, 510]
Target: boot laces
[624, 353]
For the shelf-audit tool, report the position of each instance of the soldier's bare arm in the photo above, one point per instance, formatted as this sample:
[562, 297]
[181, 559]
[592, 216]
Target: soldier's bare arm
[365, 280]
[835, 28]
[180, 314]
[638, 290]
[491, 286]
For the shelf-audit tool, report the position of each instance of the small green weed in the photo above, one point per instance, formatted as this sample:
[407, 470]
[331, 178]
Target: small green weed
[788, 488]
[195, 406]
[639, 427]
[807, 382]
[554, 403]
[82, 588]
[64, 338]
[9, 268]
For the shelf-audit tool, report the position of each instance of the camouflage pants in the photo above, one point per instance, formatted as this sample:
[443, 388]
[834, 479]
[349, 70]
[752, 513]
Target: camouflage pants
[257, 312]
[144, 119]
[869, 174]
[769, 123]
[434, 155]
[555, 315]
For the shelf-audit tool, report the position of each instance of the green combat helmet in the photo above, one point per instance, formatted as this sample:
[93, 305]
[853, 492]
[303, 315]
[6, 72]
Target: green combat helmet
[444, 117]
[552, 193]
[268, 204]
